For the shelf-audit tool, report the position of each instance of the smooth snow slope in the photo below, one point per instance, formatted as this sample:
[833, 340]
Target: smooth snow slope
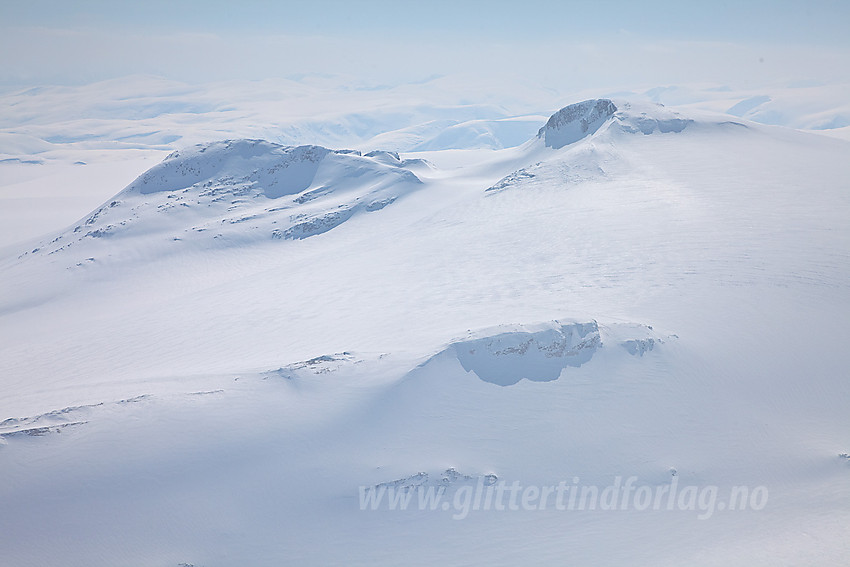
[664, 297]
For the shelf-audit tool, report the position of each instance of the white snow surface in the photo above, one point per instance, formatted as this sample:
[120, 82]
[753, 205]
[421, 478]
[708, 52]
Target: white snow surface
[233, 192]
[661, 294]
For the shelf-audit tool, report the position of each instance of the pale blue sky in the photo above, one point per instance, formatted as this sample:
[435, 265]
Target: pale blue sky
[57, 41]
[824, 22]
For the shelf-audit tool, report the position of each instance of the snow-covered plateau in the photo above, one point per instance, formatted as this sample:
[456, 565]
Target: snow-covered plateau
[231, 359]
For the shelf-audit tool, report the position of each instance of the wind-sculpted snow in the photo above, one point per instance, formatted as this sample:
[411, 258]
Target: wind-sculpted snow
[55, 421]
[534, 354]
[509, 353]
[582, 165]
[449, 479]
[238, 191]
[649, 118]
[322, 364]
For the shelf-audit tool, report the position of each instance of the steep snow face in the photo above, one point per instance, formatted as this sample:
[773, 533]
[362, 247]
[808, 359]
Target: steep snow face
[238, 191]
[591, 141]
[539, 355]
[581, 120]
[574, 122]
[540, 352]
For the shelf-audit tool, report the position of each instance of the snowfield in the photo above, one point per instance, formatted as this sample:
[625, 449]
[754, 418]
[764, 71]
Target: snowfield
[233, 358]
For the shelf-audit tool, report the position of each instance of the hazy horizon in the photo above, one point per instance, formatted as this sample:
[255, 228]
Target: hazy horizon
[562, 45]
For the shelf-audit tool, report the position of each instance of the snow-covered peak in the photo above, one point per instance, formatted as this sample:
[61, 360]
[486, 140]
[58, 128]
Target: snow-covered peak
[583, 119]
[274, 169]
[574, 122]
[592, 140]
[236, 191]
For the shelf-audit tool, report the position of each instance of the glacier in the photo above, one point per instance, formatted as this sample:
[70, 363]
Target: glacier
[217, 363]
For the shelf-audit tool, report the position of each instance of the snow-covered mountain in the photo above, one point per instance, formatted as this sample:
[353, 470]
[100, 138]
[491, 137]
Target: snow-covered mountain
[64, 150]
[238, 191]
[219, 364]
